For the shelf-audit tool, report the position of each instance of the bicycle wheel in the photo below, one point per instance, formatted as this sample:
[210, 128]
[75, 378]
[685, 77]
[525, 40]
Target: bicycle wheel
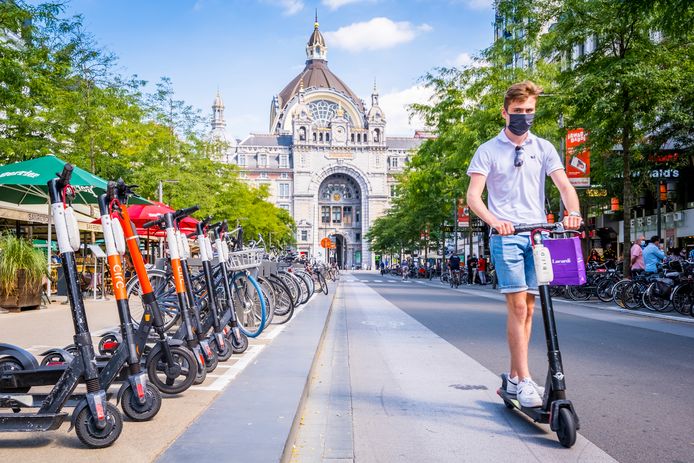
[284, 306]
[682, 298]
[249, 304]
[310, 283]
[618, 291]
[269, 294]
[323, 283]
[305, 294]
[579, 293]
[165, 293]
[632, 296]
[604, 289]
[653, 301]
[291, 284]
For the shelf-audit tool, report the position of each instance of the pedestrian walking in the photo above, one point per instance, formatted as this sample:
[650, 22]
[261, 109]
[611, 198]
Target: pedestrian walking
[482, 270]
[471, 264]
[513, 166]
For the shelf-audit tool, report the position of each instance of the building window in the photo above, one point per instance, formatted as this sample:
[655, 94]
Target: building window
[285, 207]
[302, 134]
[394, 162]
[320, 136]
[337, 214]
[357, 214]
[284, 175]
[304, 235]
[352, 137]
[327, 137]
[377, 135]
[365, 138]
[357, 236]
[284, 161]
[358, 138]
[242, 159]
[347, 213]
[392, 191]
[263, 175]
[284, 190]
[262, 160]
[325, 214]
[315, 136]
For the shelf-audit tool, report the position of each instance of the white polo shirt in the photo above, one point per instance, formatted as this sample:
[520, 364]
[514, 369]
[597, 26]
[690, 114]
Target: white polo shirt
[516, 194]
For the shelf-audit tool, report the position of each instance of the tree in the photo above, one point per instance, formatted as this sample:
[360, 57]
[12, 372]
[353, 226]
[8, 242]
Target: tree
[618, 90]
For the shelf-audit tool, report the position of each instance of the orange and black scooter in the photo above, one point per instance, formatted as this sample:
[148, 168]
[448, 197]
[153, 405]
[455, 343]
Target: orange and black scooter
[171, 366]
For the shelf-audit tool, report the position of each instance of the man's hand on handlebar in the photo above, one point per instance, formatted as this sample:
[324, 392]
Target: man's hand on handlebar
[502, 227]
[572, 222]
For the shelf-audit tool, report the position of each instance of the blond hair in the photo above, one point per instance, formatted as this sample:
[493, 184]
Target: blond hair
[520, 92]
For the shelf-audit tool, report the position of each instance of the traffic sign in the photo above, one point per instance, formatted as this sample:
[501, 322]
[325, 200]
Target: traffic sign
[326, 243]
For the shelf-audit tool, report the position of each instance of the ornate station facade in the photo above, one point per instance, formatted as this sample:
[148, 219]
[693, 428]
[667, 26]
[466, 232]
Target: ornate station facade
[326, 158]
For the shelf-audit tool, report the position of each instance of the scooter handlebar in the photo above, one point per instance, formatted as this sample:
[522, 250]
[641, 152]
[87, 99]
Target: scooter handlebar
[179, 214]
[557, 227]
[152, 223]
[66, 174]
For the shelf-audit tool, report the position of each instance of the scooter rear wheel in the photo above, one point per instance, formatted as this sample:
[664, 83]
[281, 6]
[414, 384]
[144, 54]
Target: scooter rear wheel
[567, 428]
[224, 353]
[172, 379]
[91, 435]
[136, 411]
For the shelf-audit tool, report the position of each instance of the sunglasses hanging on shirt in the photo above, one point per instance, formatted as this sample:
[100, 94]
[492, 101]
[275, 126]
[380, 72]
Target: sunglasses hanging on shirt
[518, 159]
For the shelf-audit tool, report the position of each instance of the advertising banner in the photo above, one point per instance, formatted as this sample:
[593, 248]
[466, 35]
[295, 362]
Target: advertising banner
[463, 214]
[577, 159]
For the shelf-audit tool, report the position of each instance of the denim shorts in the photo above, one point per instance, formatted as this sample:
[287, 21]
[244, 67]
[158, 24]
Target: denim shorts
[513, 260]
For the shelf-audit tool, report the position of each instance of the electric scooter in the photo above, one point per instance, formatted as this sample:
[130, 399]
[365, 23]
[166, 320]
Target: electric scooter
[238, 339]
[140, 400]
[97, 422]
[556, 409]
[186, 333]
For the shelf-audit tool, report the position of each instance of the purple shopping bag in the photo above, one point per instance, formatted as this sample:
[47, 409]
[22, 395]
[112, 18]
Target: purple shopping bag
[567, 261]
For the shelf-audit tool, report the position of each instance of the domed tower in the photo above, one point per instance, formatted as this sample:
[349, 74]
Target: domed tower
[323, 94]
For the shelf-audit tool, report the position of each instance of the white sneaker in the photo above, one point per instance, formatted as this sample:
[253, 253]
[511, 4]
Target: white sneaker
[511, 385]
[528, 395]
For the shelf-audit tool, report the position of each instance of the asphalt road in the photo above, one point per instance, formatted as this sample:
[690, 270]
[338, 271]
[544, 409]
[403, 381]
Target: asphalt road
[630, 379]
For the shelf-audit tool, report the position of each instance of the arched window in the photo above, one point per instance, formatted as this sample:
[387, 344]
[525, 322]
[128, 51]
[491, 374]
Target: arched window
[320, 136]
[358, 138]
[377, 135]
[315, 136]
[352, 138]
[365, 139]
[327, 137]
[302, 134]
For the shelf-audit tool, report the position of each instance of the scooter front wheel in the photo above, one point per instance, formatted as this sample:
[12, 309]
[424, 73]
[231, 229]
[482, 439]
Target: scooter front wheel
[176, 378]
[567, 428]
[89, 433]
[136, 411]
[238, 345]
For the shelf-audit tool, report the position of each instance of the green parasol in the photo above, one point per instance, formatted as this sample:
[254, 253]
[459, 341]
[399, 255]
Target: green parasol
[26, 182]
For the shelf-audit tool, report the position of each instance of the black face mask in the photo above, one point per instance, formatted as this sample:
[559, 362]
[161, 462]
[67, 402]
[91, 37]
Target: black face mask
[518, 124]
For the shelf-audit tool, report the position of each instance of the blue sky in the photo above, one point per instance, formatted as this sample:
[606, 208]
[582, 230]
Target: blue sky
[251, 49]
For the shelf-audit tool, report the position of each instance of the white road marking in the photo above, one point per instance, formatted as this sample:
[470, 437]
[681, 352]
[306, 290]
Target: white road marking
[220, 383]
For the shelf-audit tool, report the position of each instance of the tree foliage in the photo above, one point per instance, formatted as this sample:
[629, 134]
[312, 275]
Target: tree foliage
[62, 94]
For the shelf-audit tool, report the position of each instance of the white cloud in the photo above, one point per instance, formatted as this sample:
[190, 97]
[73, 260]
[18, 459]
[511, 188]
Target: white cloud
[479, 4]
[375, 34]
[465, 59]
[335, 4]
[290, 7]
[395, 106]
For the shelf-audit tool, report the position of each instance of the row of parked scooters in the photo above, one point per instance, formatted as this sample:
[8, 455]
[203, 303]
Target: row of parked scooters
[175, 326]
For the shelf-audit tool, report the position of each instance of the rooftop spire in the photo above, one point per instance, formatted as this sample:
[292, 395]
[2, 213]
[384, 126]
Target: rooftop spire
[316, 48]
[315, 22]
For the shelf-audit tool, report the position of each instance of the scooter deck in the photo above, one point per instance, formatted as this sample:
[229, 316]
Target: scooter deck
[29, 422]
[29, 400]
[538, 414]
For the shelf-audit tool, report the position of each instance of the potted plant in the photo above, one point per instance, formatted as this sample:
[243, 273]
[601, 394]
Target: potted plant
[21, 273]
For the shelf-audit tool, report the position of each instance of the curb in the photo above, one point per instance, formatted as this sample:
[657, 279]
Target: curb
[296, 421]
